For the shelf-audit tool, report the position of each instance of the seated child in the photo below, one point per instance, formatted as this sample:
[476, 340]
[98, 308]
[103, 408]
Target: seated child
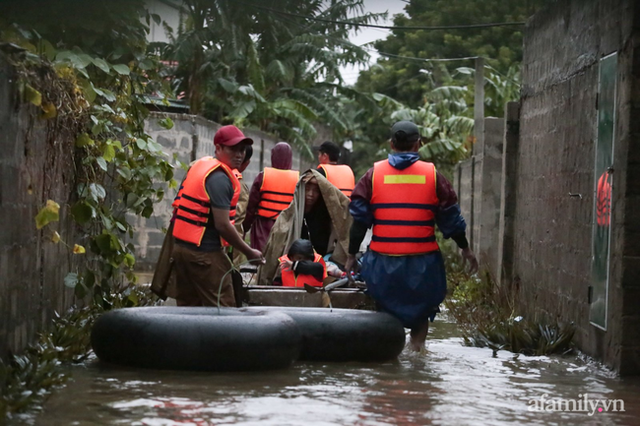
[302, 265]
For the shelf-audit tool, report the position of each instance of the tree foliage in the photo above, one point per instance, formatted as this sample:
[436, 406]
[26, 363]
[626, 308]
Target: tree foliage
[408, 80]
[439, 95]
[254, 67]
[445, 117]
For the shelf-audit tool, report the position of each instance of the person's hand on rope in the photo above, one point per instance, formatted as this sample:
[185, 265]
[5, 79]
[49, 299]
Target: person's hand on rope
[350, 267]
[255, 257]
[470, 258]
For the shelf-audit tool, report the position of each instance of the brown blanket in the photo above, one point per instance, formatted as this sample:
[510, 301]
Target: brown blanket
[288, 226]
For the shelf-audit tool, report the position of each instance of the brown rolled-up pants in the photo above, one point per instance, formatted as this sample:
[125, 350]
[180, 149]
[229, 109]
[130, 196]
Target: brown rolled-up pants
[199, 276]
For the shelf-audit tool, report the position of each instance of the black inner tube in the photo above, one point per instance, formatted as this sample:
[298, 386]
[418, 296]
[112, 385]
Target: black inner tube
[182, 338]
[342, 335]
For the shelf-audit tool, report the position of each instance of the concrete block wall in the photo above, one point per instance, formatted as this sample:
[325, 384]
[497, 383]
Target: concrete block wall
[463, 182]
[36, 164]
[489, 215]
[191, 138]
[626, 207]
[475, 226]
[508, 185]
[478, 182]
[556, 152]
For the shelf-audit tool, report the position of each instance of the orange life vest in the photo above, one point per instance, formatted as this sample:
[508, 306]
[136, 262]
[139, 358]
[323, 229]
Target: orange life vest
[341, 176]
[290, 280]
[276, 192]
[404, 204]
[603, 200]
[193, 204]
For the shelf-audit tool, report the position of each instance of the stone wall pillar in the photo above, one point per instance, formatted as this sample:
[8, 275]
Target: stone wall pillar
[507, 193]
[490, 194]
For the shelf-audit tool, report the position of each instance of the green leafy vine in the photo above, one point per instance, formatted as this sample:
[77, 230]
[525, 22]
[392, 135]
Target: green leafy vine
[101, 100]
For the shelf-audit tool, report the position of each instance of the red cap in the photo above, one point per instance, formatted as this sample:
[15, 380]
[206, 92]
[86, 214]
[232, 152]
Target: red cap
[230, 136]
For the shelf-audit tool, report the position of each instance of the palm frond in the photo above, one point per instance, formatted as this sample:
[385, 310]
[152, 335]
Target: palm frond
[279, 71]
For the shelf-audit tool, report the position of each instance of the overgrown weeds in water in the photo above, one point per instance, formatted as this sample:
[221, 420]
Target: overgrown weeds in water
[488, 315]
[26, 380]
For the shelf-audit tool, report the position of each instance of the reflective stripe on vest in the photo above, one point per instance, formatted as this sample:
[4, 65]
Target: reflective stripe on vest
[341, 176]
[276, 192]
[404, 204]
[289, 278]
[193, 204]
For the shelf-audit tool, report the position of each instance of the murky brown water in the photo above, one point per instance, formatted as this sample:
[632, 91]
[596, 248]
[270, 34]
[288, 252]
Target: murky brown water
[449, 384]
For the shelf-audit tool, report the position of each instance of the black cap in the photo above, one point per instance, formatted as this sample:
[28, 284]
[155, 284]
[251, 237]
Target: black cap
[410, 131]
[330, 148]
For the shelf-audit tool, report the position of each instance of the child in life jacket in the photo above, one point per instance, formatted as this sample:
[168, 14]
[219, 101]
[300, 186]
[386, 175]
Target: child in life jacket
[302, 265]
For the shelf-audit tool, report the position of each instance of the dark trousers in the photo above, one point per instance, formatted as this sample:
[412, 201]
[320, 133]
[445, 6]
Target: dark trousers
[200, 277]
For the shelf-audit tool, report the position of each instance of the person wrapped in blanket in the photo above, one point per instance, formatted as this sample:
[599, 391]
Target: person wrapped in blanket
[301, 265]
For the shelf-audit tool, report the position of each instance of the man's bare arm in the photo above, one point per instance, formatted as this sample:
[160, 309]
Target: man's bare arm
[230, 234]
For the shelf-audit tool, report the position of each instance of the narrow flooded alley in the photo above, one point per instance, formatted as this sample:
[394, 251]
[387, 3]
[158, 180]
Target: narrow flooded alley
[448, 384]
[236, 159]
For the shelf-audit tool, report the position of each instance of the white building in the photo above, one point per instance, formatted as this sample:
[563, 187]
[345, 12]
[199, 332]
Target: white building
[171, 14]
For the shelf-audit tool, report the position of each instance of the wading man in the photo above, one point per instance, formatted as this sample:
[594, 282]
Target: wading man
[404, 198]
[205, 210]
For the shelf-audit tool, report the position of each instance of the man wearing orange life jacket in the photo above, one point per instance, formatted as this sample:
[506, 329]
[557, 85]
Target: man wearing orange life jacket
[340, 175]
[404, 198]
[205, 210]
[271, 193]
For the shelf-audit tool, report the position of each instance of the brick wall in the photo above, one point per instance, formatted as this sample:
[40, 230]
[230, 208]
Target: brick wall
[558, 131]
[627, 203]
[36, 164]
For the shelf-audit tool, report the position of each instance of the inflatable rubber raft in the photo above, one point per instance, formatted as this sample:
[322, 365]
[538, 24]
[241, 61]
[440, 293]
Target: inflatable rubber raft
[256, 338]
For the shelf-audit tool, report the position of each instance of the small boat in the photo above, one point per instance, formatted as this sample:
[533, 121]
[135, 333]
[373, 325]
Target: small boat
[334, 295]
[348, 298]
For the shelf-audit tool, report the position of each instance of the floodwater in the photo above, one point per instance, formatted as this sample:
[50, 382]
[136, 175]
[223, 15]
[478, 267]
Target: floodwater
[449, 384]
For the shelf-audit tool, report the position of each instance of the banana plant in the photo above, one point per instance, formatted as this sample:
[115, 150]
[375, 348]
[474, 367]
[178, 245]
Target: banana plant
[445, 124]
[254, 66]
[499, 88]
